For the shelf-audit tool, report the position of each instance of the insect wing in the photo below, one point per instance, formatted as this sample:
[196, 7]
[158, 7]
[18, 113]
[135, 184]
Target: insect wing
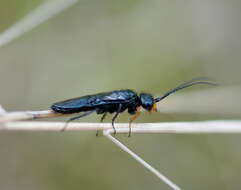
[72, 105]
[90, 102]
[114, 97]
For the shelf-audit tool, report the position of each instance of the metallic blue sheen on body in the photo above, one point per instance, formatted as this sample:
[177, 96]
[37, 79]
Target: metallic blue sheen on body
[102, 102]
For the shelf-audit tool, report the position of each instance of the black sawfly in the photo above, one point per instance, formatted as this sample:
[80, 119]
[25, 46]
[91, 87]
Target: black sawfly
[117, 102]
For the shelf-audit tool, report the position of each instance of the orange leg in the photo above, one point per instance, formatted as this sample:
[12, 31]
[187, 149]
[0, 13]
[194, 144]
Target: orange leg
[133, 118]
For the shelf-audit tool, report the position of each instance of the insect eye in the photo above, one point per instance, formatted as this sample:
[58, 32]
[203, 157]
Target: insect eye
[147, 101]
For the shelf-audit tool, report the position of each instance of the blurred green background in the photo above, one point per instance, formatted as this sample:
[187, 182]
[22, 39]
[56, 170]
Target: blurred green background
[97, 46]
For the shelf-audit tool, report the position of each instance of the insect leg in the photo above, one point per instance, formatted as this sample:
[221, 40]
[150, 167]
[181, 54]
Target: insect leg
[77, 117]
[115, 116]
[101, 120]
[133, 118]
[103, 117]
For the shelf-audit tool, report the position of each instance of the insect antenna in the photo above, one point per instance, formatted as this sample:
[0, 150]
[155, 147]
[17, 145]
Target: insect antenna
[195, 81]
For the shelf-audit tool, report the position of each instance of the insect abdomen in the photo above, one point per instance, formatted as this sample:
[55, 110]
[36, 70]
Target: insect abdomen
[72, 106]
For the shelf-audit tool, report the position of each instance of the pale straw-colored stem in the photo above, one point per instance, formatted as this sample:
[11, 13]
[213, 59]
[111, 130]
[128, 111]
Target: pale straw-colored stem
[28, 115]
[140, 160]
[192, 127]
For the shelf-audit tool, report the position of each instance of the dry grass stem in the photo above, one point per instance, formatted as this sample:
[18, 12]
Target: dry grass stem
[192, 127]
[141, 161]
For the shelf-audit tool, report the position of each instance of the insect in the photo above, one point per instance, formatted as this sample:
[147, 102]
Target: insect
[116, 102]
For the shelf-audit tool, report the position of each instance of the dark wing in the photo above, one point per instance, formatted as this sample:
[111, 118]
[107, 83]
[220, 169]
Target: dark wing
[72, 105]
[90, 102]
[114, 97]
